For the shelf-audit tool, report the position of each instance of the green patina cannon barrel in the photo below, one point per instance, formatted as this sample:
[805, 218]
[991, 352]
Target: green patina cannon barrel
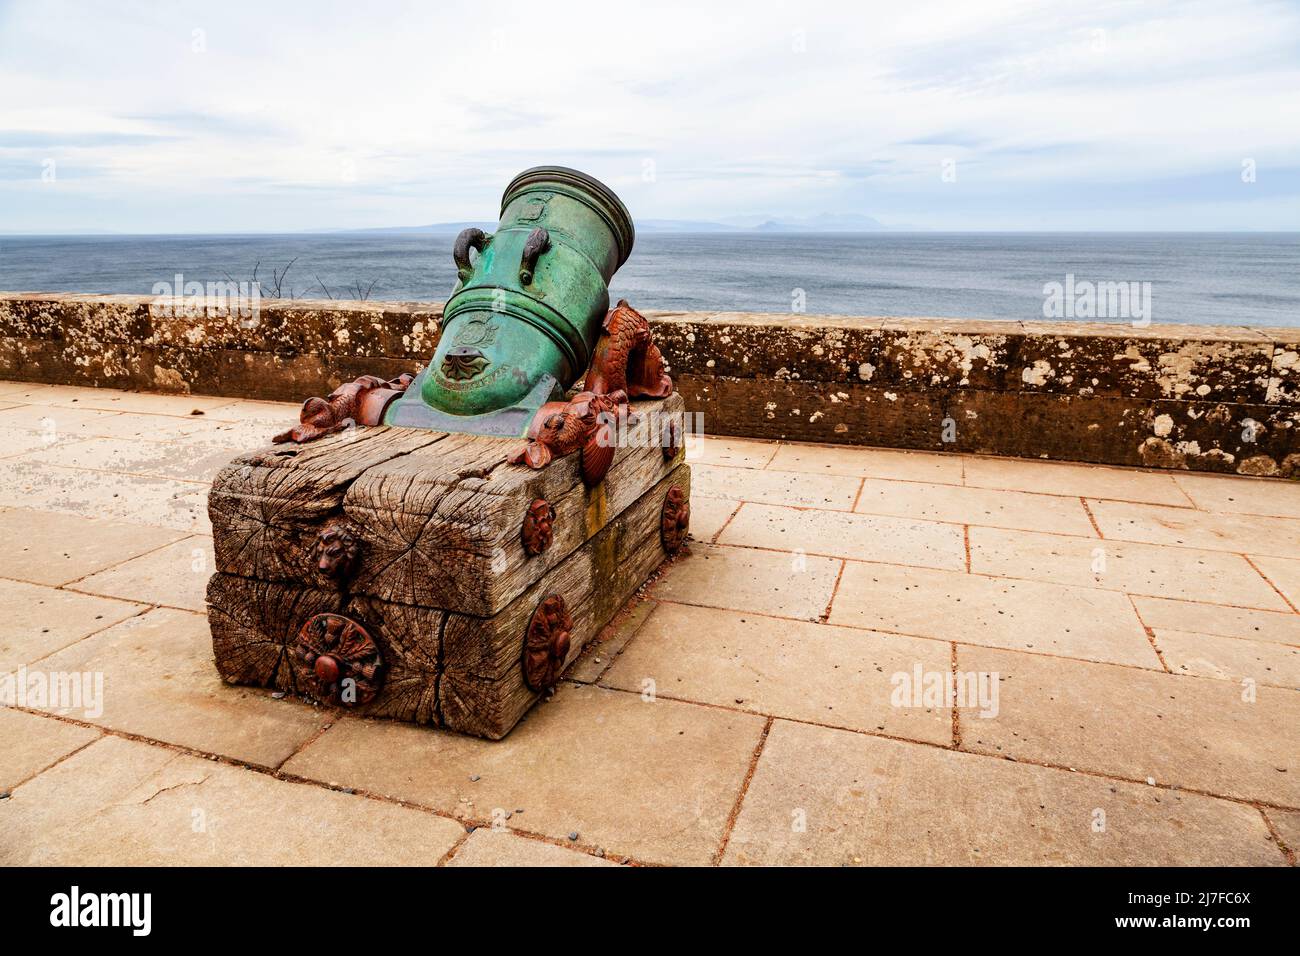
[524, 317]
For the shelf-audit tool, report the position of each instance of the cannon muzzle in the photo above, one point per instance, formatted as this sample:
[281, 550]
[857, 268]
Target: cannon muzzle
[527, 309]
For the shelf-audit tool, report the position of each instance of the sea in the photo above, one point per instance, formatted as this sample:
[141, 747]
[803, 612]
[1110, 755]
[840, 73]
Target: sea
[1245, 279]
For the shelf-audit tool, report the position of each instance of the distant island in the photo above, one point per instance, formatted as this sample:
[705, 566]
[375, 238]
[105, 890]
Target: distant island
[839, 222]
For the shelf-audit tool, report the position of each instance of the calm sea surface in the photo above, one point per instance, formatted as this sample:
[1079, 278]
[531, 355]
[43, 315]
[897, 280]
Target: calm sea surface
[1202, 278]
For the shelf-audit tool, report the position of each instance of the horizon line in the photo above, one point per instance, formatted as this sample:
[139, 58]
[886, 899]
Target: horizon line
[417, 230]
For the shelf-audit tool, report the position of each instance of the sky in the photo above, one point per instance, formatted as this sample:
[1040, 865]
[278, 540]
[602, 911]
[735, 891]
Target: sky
[924, 114]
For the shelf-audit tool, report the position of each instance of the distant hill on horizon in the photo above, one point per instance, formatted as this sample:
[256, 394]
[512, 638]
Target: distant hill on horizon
[838, 222]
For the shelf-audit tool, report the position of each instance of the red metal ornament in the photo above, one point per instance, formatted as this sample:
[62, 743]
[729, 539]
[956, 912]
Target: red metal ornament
[546, 645]
[336, 661]
[674, 519]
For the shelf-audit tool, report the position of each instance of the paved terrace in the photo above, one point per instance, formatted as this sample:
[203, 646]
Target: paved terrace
[1141, 627]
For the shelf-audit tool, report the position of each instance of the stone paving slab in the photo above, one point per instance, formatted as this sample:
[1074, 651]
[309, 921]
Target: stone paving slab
[124, 803]
[31, 743]
[770, 582]
[869, 463]
[154, 429]
[1085, 481]
[1258, 534]
[1229, 658]
[827, 675]
[736, 452]
[652, 781]
[54, 549]
[490, 847]
[16, 442]
[13, 390]
[926, 544]
[1281, 627]
[1180, 731]
[57, 423]
[829, 797]
[1021, 615]
[1263, 496]
[159, 682]
[249, 410]
[244, 435]
[39, 620]
[831, 492]
[181, 505]
[982, 506]
[113, 400]
[174, 576]
[188, 461]
[1213, 576]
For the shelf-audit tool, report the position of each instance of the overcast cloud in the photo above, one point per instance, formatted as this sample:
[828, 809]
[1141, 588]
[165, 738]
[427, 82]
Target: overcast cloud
[221, 117]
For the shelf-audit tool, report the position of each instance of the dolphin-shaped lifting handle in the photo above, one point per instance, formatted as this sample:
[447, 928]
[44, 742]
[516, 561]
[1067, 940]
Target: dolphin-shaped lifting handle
[468, 239]
[538, 241]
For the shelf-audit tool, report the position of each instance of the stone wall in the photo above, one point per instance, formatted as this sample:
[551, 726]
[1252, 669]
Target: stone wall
[1197, 397]
[290, 350]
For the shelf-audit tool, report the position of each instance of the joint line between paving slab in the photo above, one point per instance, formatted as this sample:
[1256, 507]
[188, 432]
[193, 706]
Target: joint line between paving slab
[835, 590]
[734, 815]
[1270, 583]
[1151, 635]
[99, 630]
[311, 738]
[630, 638]
[589, 850]
[776, 448]
[1288, 853]
[54, 763]
[730, 709]
[152, 476]
[1091, 517]
[74, 406]
[956, 723]
[68, 585]
[734, 511]
[455, 847]
[1179, 485]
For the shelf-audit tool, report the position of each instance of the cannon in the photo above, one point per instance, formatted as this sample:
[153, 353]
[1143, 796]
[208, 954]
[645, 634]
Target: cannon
[522, 323]
[447, 566]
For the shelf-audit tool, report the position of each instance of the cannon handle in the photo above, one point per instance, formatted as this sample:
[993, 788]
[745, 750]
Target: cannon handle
[468, 239]
[538, 241]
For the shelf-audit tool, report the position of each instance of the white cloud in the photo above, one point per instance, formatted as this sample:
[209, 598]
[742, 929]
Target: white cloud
[274, 116]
